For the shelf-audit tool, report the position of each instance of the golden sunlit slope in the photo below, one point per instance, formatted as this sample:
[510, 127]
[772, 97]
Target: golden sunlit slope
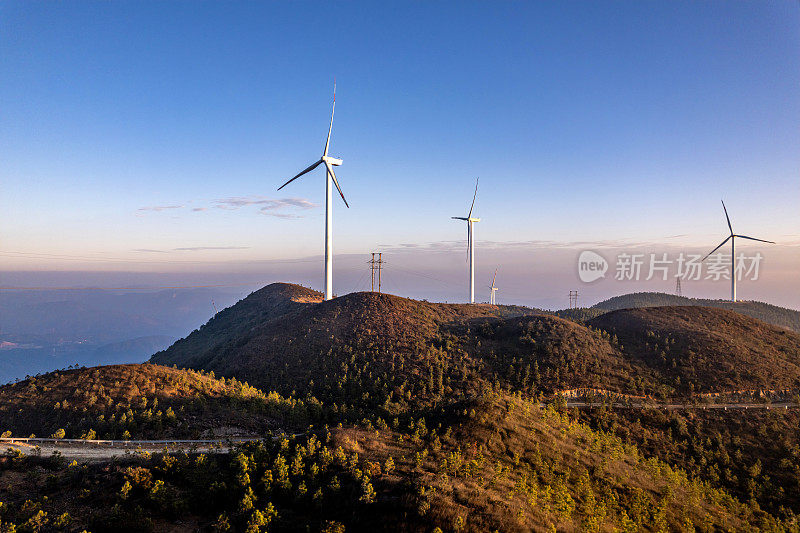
[495, 463]
[137, 401]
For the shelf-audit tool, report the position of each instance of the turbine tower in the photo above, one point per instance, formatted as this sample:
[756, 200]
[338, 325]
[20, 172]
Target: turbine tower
[329, 162]
[732, 237]
[470, 244]
[492, 299]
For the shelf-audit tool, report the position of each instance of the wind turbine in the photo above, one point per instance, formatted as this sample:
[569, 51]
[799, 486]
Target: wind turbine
[732, 237]
[494, 289]
[329, 162]
[470, 244]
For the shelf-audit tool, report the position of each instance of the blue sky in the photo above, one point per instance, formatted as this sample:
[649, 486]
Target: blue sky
[586, 121]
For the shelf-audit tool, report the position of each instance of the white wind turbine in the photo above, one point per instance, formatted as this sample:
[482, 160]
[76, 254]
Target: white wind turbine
[470, 244]
[329, 162]
[492, 299]
[732, 237]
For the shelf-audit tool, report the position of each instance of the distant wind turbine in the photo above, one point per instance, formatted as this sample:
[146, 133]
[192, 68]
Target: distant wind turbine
[329, 162]
[492, 299]
[732, 237]
[470, 244]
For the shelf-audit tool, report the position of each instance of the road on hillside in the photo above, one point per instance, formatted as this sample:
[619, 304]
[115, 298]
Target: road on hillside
[90, 452]
[104, 450]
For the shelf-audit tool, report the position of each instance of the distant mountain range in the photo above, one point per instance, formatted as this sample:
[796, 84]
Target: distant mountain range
[47, 330]
[18, 360]
[102, 317]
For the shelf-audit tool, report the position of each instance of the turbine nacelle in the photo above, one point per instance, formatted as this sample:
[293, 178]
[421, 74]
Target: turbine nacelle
[331, 160]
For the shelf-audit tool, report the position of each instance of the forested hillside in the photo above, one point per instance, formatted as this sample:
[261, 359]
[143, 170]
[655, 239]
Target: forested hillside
[493, 463]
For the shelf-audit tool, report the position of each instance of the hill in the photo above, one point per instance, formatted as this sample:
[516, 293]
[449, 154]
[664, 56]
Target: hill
[772, 314]
[140, 402]
[704, 349]
[365, 350]
[329, 349]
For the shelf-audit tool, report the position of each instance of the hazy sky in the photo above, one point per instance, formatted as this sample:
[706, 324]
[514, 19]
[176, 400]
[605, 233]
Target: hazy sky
[150, 137]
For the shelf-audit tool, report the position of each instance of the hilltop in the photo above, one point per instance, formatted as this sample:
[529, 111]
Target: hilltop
[772, 314]
[268, 303]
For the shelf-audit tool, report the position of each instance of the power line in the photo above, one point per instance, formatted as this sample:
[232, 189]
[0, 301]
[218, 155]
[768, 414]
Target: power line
[376, 265]
[573, 299]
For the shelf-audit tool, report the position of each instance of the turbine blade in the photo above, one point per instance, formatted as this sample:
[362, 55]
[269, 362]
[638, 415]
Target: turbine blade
[459, 218]
[727, 217]
[309, 169]
[328, 140]
[753, 239]
[718, 247]
[473, 198]
[336, 182]
[494, 278]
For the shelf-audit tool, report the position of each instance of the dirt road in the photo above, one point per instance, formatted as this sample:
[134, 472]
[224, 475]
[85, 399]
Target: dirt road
[105, 450]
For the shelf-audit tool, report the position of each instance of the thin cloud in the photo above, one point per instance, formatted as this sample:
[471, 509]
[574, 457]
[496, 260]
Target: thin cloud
[235, 202]
[280, 215]
[459, 245]
[199, 209]
[190, 249]
[160, 207]
[268, 204]
[299, 203]
[201, 248]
